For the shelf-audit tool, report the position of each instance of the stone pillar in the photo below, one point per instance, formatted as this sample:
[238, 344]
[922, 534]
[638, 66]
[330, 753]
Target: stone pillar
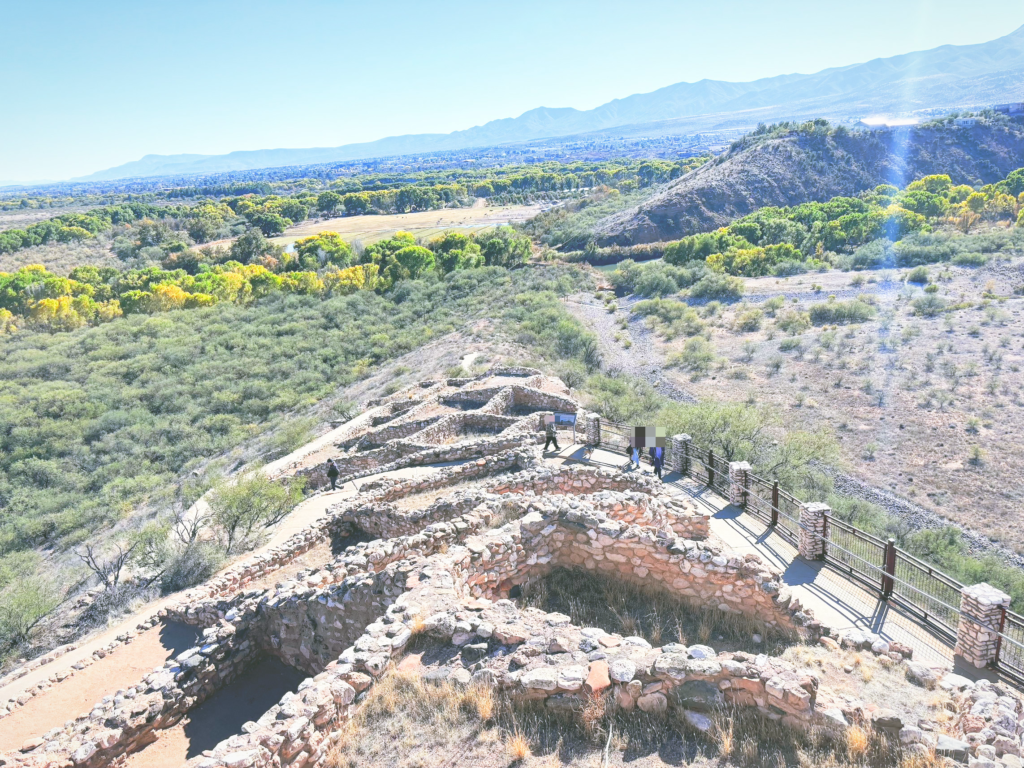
[592, 429]
[738, 472]
[813, 519]
[981, 616]
[678, 460]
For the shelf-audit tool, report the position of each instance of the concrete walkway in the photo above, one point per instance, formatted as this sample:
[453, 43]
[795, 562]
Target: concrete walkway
[836, 601]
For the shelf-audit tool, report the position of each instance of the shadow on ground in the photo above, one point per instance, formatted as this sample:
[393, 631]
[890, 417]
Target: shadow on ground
[177, 637]
[246, 698]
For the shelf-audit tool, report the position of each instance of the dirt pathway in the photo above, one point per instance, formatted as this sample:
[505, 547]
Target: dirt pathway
[79, 693]
[139, 656]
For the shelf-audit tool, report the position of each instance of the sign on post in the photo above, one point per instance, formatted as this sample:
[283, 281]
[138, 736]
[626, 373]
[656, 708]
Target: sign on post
[562, 421]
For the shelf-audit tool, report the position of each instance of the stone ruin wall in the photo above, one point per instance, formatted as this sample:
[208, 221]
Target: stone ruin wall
[239, 576]
[444, 572]
[128, 720]
[569, 535]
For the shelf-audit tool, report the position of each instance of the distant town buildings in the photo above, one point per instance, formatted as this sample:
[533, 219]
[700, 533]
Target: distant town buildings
[1013, 108]
[965, 122]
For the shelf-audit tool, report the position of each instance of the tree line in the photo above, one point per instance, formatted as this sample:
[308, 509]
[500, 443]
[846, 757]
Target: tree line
[794, 239]
[322, 265]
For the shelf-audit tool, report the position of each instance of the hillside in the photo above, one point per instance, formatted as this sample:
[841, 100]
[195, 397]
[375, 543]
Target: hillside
[795, 166]
[947, 77]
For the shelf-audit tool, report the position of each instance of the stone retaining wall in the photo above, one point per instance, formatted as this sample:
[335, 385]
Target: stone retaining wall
[573, 535]
[237, 577]
[128, 720]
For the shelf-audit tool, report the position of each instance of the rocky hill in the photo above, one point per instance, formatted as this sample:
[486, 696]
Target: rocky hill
[788, 168]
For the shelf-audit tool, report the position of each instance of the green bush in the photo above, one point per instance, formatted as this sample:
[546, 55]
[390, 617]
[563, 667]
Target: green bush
[717, 286]
[792, 321]
[748, 320]
[971, 259]
[841, 312]
[918, 275]
[696, 356]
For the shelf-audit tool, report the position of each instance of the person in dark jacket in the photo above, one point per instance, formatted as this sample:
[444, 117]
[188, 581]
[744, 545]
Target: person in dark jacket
[658, 460]
[550, 435]
[332, 474]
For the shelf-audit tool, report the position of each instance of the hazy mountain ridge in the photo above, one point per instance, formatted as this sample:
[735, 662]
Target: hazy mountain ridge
[802, 167]
[944, 77]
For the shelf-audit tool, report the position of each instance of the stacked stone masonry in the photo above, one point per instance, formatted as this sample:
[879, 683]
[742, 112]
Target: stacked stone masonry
[446, 570]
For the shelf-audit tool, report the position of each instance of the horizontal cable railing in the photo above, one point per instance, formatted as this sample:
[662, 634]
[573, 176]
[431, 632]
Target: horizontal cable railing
[932, 596]
[1011, 643]
[930, 591]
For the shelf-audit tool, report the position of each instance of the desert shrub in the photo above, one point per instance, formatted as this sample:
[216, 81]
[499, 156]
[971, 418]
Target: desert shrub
[23, 604]
[717, 286]
[621, 398]
[929, 305]
[654, 279]
[671, 318]
[789, 345]
[240, 509]
[841, 312]
[773, 305]
[696, 356]
[870, 255]
[193, 565]
[793, 321]
[789, 267]
[655, 282]
[918, 275]
[748, 320]
[971, 259]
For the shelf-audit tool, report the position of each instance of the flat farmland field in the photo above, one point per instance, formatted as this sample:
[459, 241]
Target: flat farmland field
[423, 224]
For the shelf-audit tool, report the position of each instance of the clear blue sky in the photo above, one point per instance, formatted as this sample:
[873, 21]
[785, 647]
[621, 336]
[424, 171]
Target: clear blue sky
[88, 85]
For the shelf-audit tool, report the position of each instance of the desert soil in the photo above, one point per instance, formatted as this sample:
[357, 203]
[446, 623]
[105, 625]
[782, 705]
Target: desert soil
[907, 397]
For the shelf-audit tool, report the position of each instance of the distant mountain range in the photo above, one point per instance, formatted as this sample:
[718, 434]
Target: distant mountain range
[947, 77]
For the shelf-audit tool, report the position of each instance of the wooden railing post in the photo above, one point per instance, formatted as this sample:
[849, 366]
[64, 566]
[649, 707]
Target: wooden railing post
[775, 503]
[711, 468]
[890, 568]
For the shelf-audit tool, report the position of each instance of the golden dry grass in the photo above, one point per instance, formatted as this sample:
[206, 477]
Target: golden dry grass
[656, 615]
[422, 224]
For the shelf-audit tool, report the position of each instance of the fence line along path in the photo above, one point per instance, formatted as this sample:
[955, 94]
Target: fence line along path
[850, 578]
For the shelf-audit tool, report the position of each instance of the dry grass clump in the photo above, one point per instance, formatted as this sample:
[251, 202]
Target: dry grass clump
[593, 600]
[745, 738]
[517, 746]
[402, 713]
[406, 722]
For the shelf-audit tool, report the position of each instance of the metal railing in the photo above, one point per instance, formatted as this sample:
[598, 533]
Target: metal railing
[1011, 643]
[924, 591]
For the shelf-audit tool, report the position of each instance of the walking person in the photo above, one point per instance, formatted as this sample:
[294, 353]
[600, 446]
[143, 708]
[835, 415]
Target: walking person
[332, 474]
[551, 436]
[635, 458]
[658, 461]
